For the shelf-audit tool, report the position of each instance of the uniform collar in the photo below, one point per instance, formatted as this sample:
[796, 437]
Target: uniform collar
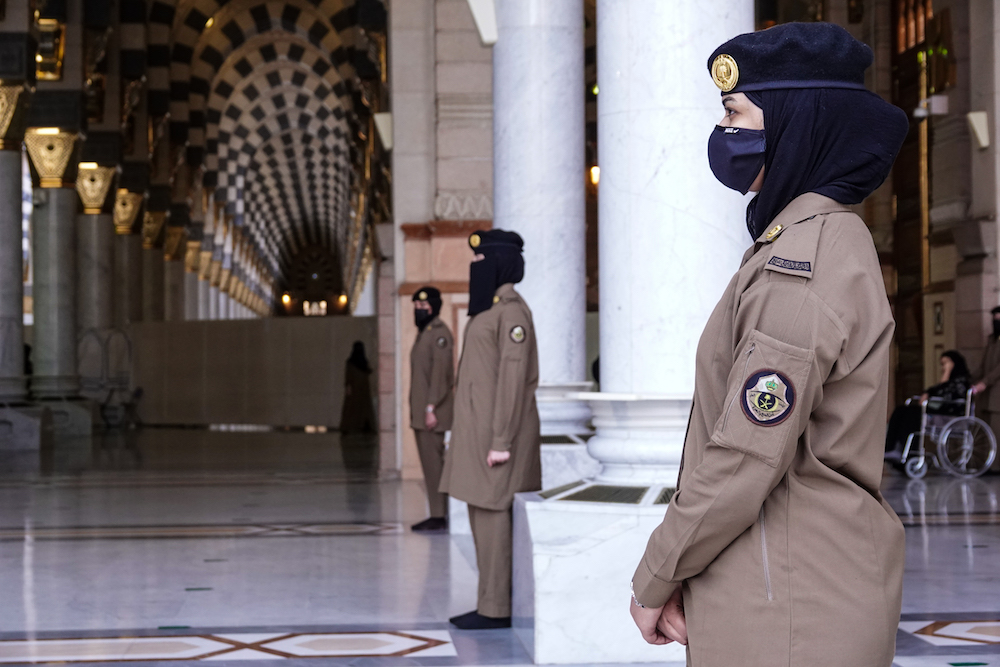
[801, 208]
[506, 290]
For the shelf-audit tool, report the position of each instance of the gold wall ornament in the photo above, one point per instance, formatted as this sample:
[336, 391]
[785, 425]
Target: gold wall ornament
[127, 205]
[152, 223]
[10, 104]
[205, 265]
[93, 185]
[51, 49]
[173, 244]
[192, 258]
[725, 72]
[50, 150]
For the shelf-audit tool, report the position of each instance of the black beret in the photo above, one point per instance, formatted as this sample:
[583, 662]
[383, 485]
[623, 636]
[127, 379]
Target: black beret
[495, 239]
[427, 293]
[791, 55]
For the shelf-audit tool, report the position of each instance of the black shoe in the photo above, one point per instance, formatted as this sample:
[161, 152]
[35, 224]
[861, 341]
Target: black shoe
[476, 621]
[431, 525]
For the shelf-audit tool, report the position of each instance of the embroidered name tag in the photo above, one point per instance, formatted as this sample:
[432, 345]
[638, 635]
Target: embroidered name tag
[790, 264]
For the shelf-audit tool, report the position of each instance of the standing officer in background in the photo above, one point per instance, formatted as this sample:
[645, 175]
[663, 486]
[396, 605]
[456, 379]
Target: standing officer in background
[432, 375]
[988, 398]
[494, 451]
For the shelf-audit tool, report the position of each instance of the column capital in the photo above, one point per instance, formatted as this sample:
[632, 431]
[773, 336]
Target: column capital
[173, 244]
[127, 205]
[13, 107]
[152, 225]
[192, 256]
[93, 183]
[51, 150]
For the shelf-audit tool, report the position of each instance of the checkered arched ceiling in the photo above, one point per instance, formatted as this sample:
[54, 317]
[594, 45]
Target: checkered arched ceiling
[260, 95]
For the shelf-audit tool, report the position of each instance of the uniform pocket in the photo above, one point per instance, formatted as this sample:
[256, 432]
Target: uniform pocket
[763, 409]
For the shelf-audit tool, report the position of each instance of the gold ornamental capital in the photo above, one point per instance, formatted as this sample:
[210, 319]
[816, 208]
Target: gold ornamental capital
[50, 150]
[192, 258]
[11, 97]
[152, 223]
[93, 185]
[215, 274]
[127, 205]
[224, 280]
[205, 265]
[173, 244]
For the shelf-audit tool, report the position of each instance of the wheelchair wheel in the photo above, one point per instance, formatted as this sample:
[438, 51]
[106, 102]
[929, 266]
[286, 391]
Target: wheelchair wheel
[967, 447]
[916, 467]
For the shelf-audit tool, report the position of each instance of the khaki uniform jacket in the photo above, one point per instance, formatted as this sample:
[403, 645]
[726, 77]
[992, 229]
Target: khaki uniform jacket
[495, 407]
[432, 376]
[788, 554]
[989, 373]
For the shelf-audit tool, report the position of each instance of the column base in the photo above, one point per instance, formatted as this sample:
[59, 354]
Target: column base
[13, 389]
[562, 539]
[640, 438]
[55, 386]
[559, 412]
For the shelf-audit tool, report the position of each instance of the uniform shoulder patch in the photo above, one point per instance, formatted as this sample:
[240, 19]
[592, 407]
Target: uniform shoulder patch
[768, 398]
[442, 342]
[517, 334]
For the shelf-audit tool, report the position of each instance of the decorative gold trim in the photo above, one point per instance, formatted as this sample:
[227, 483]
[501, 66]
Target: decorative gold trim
[224, 276]
[215, 275]
[192, 258]
[725, 72]
[127, 205]
[50, 152]
[49, 62]
[10, 99]
[152, 223]
[173, 244]
[93, 186]
[205, 265]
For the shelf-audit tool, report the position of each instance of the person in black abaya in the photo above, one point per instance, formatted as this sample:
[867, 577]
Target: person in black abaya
[358, 423]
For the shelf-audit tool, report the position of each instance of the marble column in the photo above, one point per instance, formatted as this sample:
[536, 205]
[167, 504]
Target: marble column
[54, 290]
[95, 250]
[12, 379]
[128, 259]
[539, 187]
[192, 259]
[173, 281]
[670, 235]
[152, 285]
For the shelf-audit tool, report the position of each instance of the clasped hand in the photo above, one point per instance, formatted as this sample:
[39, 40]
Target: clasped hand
[662, 625]
[495, 458]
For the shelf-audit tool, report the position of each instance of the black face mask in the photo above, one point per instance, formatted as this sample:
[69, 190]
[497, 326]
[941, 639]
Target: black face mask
[736, 155]
[482, 284]
[996, 328]
[422, 318]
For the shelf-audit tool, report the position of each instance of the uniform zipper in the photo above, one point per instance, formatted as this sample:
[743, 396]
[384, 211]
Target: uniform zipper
[739, 391]
[763, 554]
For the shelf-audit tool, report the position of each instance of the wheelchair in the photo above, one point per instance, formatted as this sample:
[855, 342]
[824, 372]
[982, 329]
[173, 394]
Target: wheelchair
[965, 445]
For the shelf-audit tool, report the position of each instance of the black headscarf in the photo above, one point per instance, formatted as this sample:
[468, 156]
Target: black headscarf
[358, 358]
[502, 263]
[836, 142]
[961, 369]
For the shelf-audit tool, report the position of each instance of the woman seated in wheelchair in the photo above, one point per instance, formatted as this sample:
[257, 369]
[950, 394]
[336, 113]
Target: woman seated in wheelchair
[946, 398]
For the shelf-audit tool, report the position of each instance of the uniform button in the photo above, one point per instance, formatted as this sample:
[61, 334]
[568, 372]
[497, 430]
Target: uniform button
[496, 299]
[774, 231]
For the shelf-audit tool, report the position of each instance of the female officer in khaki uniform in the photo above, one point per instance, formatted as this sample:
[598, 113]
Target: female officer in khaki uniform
[432, 374]
[778, 548]
[494, 451]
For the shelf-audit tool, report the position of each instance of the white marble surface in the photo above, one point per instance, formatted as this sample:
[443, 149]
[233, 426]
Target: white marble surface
[538, 180]
[671, 235]
[573, 562]
[94, 267]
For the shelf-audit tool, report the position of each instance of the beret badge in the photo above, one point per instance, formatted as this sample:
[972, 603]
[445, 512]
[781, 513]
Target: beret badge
[422, 296]
[474, 240]
[725, 72]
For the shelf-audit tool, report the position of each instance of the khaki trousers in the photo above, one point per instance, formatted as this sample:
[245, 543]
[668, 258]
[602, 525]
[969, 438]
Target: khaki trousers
[430, 445]
[491, 531]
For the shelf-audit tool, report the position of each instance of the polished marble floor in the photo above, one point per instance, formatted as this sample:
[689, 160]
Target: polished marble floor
[163, 546]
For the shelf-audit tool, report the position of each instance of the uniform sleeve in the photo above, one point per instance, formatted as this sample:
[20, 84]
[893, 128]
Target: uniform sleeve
[989, 375]
[441, 371]
[789, 341]
[515, 342]
[420, 378]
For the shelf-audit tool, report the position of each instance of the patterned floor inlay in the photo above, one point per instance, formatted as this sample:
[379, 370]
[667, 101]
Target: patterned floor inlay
[955, 633]
[178, 532]
[238, 646]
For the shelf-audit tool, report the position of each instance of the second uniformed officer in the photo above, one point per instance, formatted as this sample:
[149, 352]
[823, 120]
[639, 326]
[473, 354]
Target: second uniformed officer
[432, 375]
[494, 451]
